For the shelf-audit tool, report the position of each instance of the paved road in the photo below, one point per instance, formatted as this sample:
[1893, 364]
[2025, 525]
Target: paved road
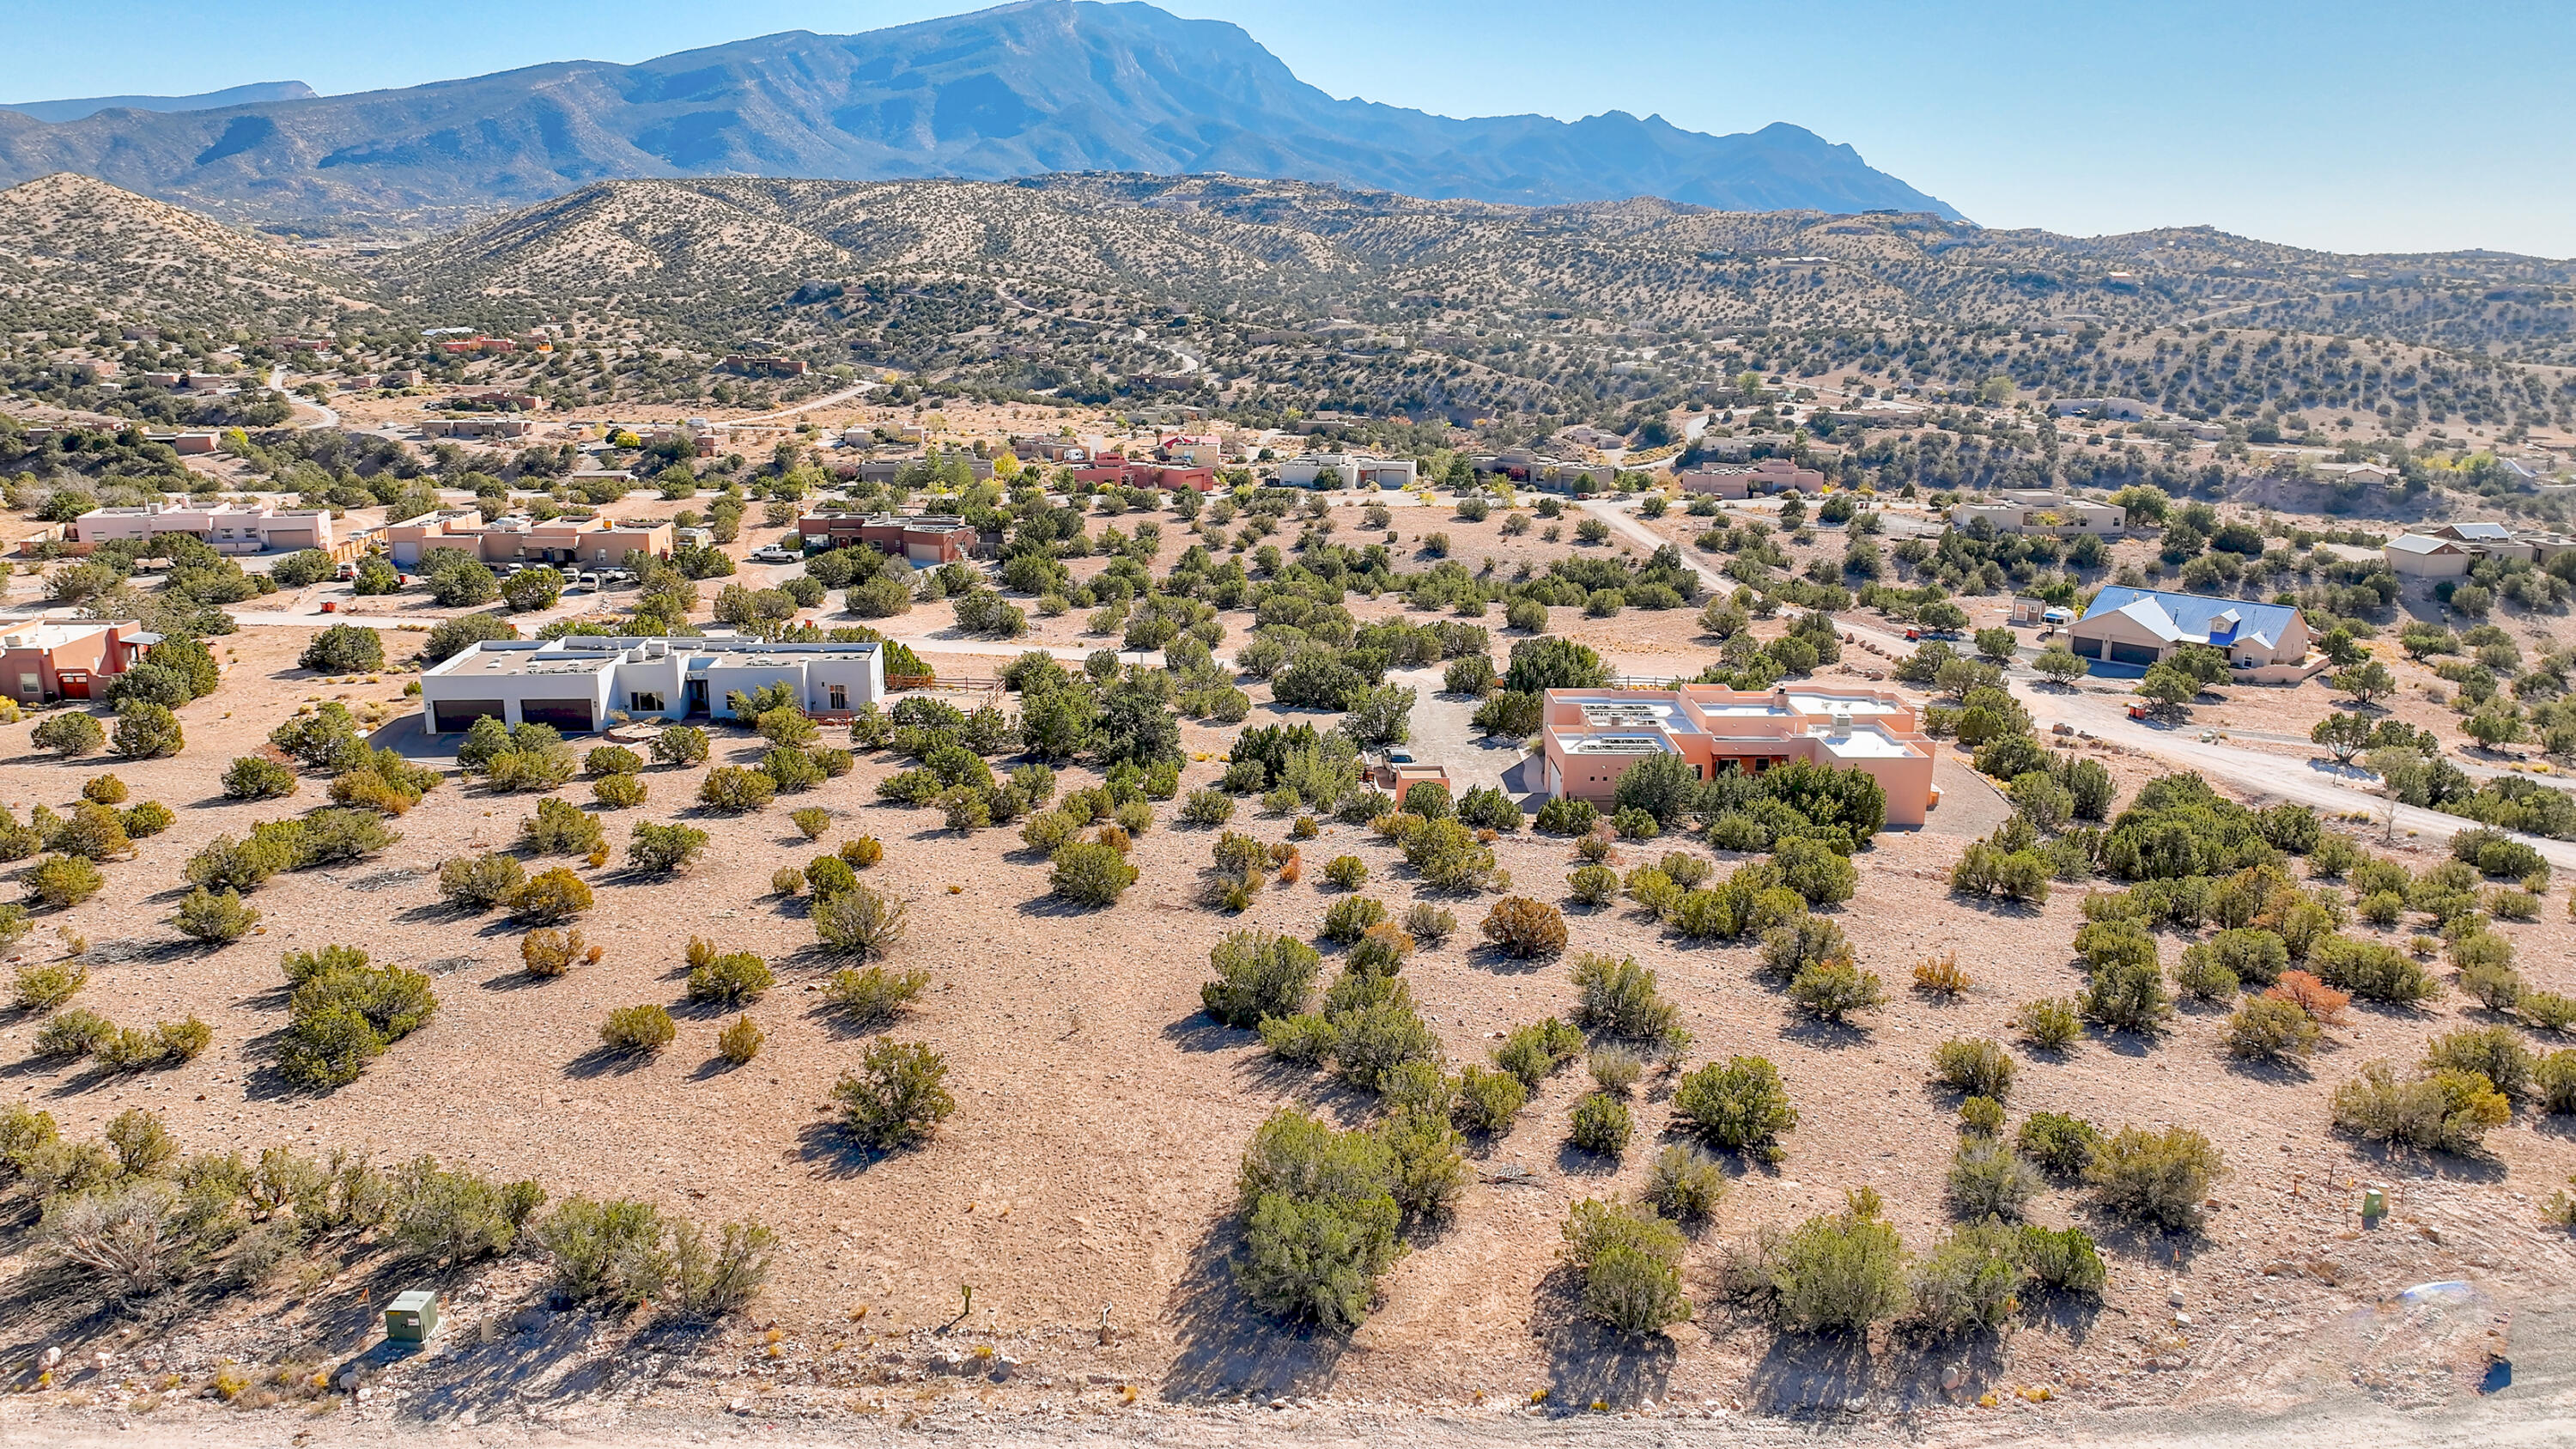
[809, 405]
[277, 384]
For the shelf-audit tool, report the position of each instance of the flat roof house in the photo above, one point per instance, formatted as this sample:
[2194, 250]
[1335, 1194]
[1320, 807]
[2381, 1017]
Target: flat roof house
[517, 538]
[1345, 470]
[921, 539]
[2039, 511]
[1770, 475]
[1589, 737]
[225, 527]
[2128, 629]
[579, 682]
[45, 661]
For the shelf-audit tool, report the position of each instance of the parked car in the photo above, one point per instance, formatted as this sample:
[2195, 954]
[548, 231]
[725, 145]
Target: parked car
[772, 553]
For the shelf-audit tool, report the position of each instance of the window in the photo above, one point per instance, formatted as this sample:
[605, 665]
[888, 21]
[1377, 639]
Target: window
[838, 695]
[644, 702]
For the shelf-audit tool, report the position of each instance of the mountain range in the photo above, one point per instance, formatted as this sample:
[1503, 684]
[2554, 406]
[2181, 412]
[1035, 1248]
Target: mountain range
[1041, 87]
[209, 101]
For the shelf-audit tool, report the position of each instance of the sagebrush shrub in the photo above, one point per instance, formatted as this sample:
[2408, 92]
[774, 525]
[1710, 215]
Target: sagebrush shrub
[1524, 927]
[1686, 1184]
[729, 978]
[1488, 1100]
[1940, 975]
[1601, 1124]
[1989, 1179]
[862, 852]
[214, 919]
[1974, 1066]
[1630, 1259]
[874, 996]
[552, 953]
[480, 882]
[1349, 918]
[1349, 872]
[897, 1097]
[550, 897]
[860, 921]
[2271, 1028]
[1969, 1281]
[1836, 1272]
[2156, 1177]
[646, 1028]
[2495, 1052]
[42, 988]
[740, 1041]
[2059, 1143]
[1592, 885]
[1740, 1105]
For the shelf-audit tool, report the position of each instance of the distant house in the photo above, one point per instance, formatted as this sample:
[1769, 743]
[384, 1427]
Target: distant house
[1195, 449]
[919, 538]
[48, 660]
[2114, 409]
[580, 682]
[1771, 475]
[517, 538]
[2040, 511]
[226, 527]
[476, 427]
[1345, 470]
[1117, 470]
[2422, 556]
[2128, 629]
[1590, 737]
[764, 366]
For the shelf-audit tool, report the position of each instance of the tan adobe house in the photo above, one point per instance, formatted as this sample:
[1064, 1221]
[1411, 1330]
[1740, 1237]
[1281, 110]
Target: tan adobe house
[1589, 737]
[50, 660]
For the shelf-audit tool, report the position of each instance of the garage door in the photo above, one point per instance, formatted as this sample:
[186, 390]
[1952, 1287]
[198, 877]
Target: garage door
[568, 715]
[447, 716]
[2134, 654]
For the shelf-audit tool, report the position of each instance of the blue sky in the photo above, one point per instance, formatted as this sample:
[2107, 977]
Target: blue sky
[2363, 125]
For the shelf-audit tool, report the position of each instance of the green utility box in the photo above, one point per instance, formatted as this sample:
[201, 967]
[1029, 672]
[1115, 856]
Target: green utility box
[412, 1317]
[2374, 1205]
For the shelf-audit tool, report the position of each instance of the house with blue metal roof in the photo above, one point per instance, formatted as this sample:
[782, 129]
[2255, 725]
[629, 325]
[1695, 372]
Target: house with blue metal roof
[2126, 629]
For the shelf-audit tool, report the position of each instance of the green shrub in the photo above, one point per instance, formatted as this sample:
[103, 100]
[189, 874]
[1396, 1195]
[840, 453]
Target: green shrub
[2128, 996]
[549, 898]
[731, 978]
[638, 1029]
[562, 828]
[1601, 1124]
[1630, 1260]
[145, 731]
[42, 988]
[862, 852]
[62, 881]
[1737, 1105]
[1592, 885]
[740, 1042]
[1981, 1115]
[735, 790]
[874, 996]
[2553, 1082]
[2059, 1143]
[457, 1215]
[1259, 975]
[214, 919]
[1969, 1281]
[1349, 918]
[2202, 976]
[2064, 1260]
[1207, 809]
[1488, 1100]
[1348, 872]
[612, 760]
[257, 777]
[1832, 990]
[1974, 1066]
[73, 1033]
[1089, 874]
[897, 1097]
[2156, 1177]
[860, 922]
[2495, 1052]
[1534, 1052]
[2271, 1028]
[2372, 971]
[679, 745]
[69, 733]
[1685, 1184]
[1837, 1272]
[663, 849]
[1567, 816]
[2547, 1010]
[1319, 1220]
[145, 820]
[480, 882]
[2048, 1025]
[1989, 1179]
